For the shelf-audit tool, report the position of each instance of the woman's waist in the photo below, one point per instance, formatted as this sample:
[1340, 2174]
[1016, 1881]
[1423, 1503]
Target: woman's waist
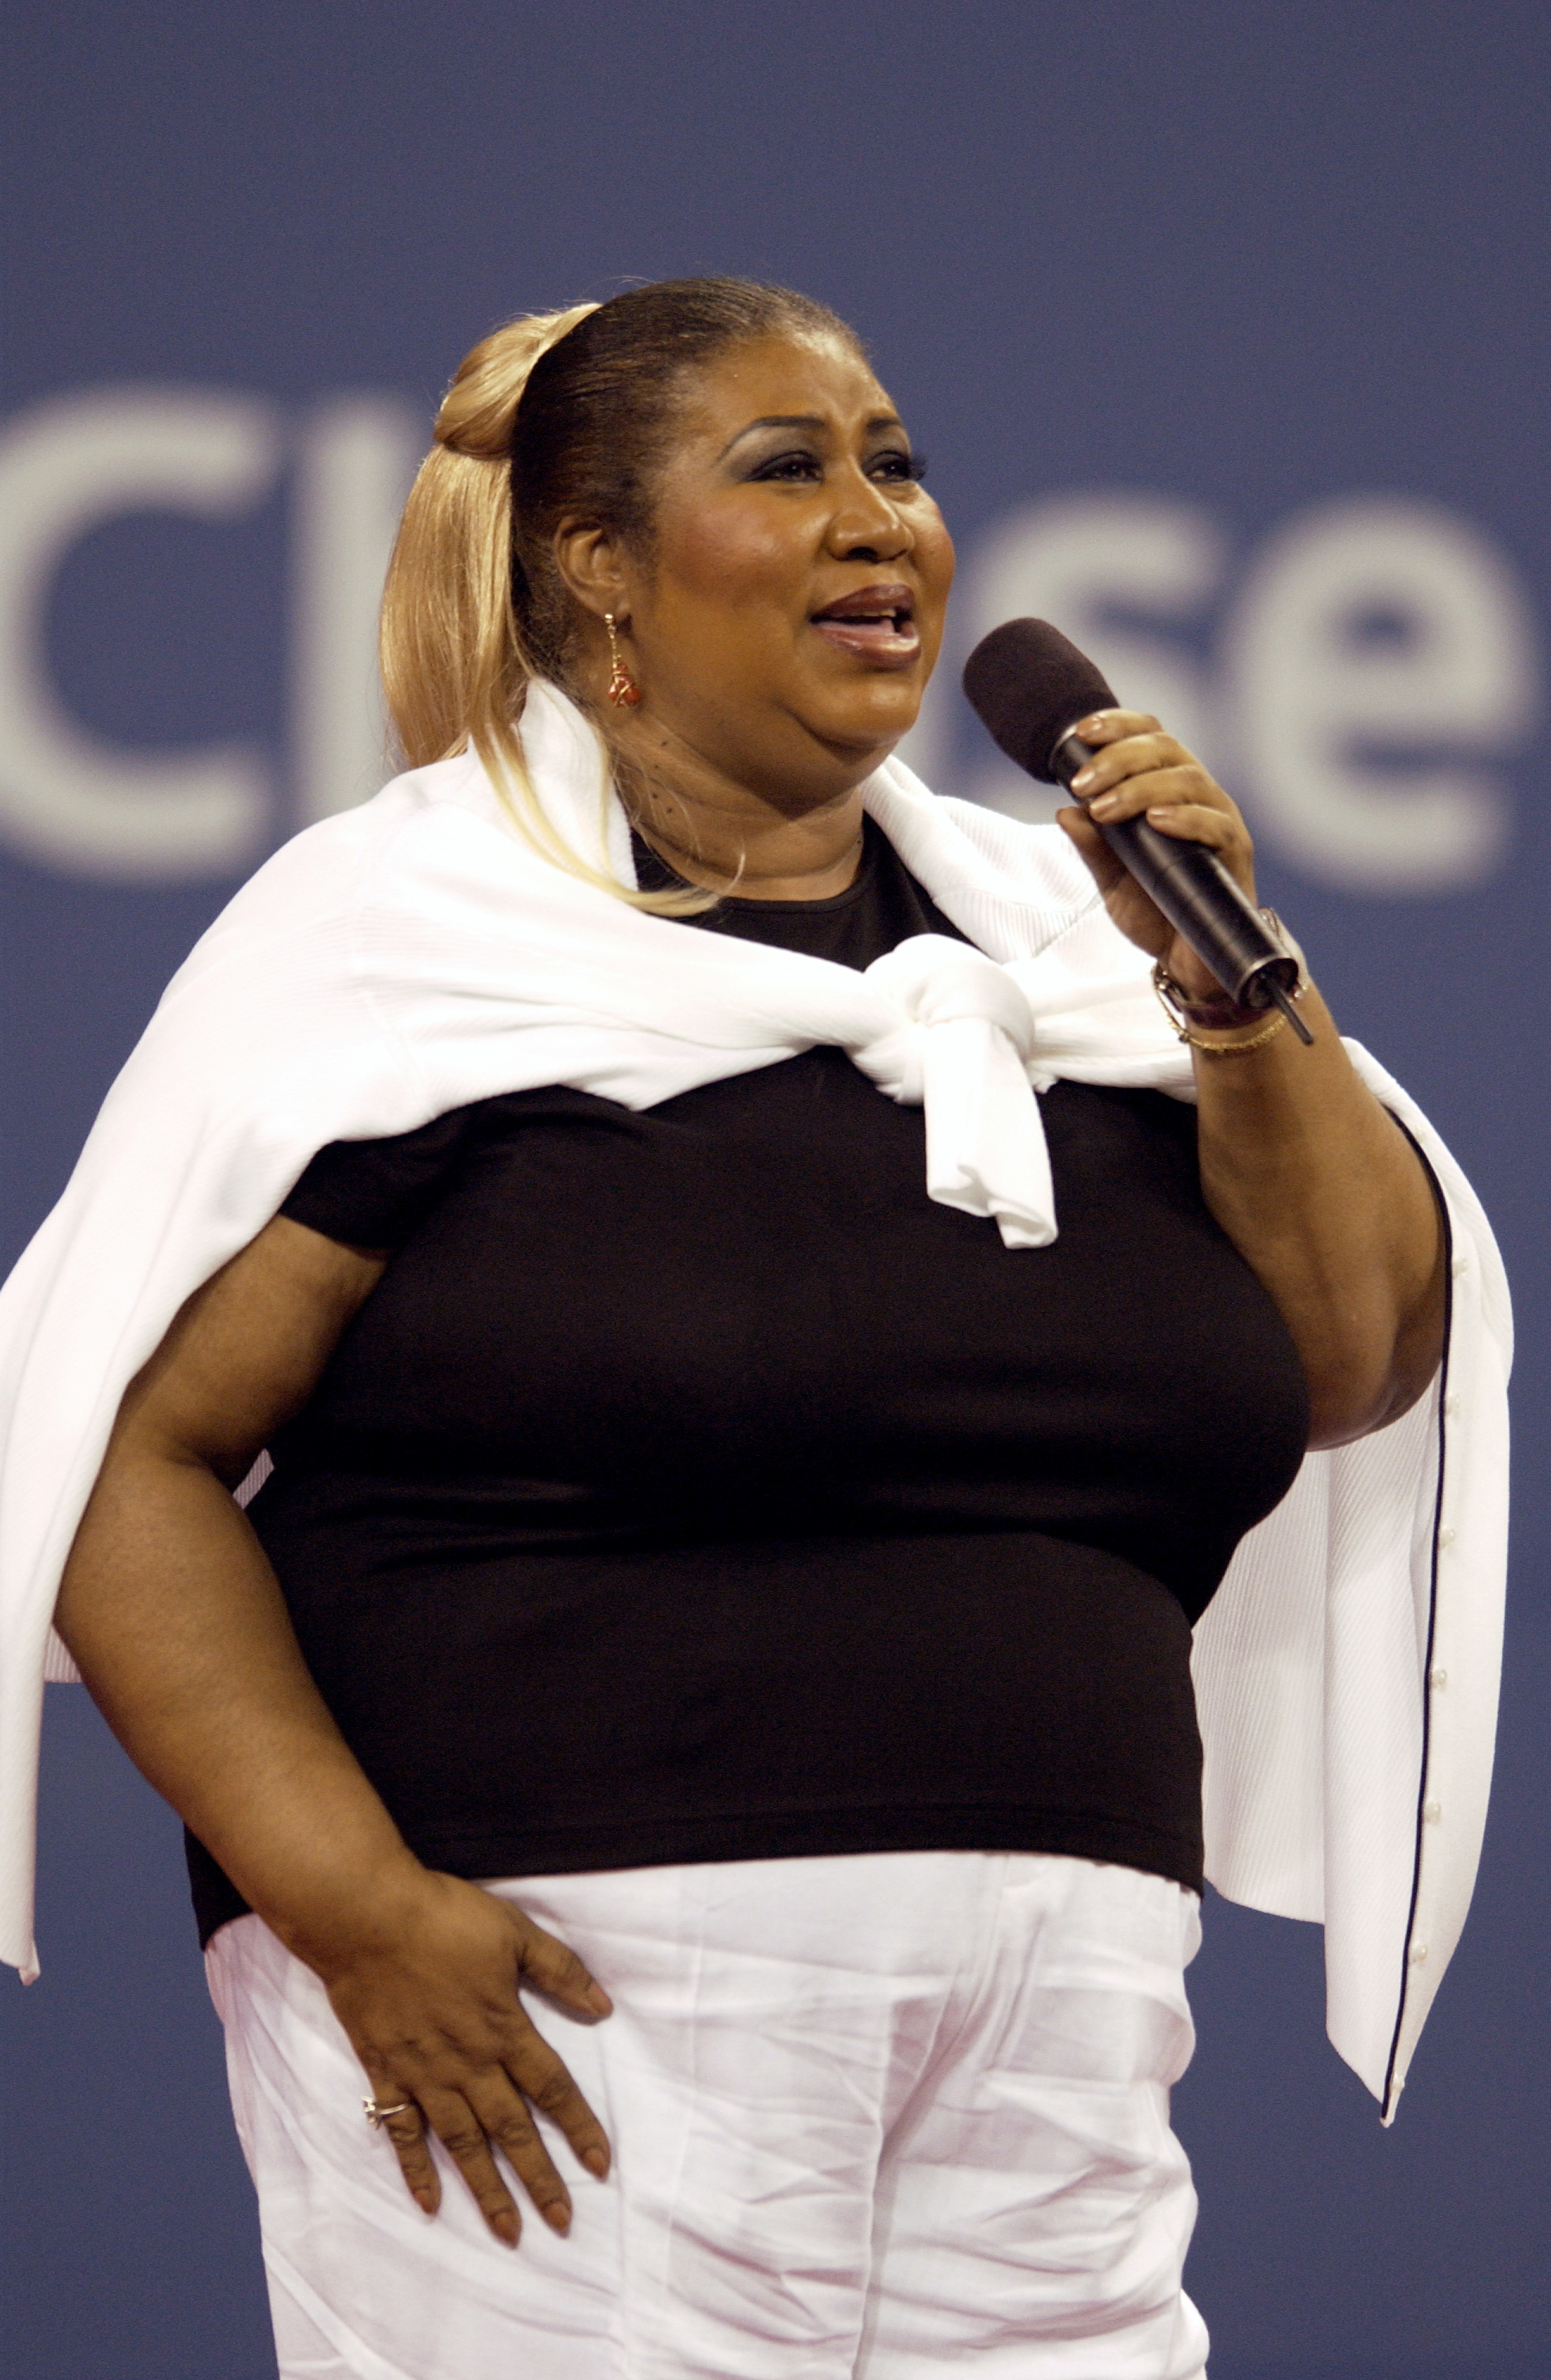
[446, 1519]
[535, 1554]
[802, 1661]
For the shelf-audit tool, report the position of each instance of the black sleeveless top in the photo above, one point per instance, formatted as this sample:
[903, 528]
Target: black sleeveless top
[693, 1488]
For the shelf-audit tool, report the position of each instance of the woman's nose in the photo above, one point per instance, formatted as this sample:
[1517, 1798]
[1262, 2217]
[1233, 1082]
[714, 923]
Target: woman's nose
[867, 528]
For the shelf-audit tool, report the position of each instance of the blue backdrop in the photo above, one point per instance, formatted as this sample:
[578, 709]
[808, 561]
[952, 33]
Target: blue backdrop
[1226, 328]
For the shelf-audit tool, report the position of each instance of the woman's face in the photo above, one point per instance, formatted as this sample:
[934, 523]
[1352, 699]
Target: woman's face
[788, 617]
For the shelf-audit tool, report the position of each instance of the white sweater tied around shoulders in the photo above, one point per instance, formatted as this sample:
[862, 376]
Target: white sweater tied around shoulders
[419, 953]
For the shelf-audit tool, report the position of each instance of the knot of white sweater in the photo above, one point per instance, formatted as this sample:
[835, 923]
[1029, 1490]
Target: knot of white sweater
[961, 1048]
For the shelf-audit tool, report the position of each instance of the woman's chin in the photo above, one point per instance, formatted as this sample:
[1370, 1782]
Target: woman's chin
[861, 717]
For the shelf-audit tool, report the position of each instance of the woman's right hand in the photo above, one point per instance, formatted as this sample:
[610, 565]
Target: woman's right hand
[427, 1988]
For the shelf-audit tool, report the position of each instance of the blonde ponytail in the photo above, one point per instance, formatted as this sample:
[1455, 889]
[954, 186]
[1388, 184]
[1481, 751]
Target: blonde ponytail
[454, 667]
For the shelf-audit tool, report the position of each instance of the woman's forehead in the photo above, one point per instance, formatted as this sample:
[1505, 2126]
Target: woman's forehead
[783, 379]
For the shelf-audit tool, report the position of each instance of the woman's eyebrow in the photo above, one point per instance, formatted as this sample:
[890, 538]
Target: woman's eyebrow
[814, 421]
[775, 421]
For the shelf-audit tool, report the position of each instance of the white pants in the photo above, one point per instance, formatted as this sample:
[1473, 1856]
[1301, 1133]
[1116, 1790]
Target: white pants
[872, 2117]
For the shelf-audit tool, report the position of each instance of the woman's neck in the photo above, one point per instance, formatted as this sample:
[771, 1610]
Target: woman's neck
[714, 832]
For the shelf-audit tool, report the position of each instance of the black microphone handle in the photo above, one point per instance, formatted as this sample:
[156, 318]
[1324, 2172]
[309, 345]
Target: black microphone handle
[1199, 898]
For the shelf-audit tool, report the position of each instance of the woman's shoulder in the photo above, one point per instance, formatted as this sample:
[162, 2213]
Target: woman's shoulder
[1014, 857]
[373, 1193]
[1017, 889]
[314, 871]
[1036, 858]
[292, 924]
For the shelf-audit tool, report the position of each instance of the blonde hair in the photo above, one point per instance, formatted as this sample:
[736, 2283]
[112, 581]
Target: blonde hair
[566, 412]
[455, 667]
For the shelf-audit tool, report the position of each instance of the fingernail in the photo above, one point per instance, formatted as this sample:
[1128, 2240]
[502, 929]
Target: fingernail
[557, 2215]
[1105, 807]
[425, 2201]
[597, 2161]
[507, 2228]
[1081, 782]
[598, 2002]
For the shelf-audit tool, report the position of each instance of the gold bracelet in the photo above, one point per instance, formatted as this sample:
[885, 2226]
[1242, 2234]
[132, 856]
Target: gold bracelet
[1237, 1049]
[1176, 1004]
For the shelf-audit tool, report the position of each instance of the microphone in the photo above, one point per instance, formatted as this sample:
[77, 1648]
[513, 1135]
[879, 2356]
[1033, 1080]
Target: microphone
[1030, 686]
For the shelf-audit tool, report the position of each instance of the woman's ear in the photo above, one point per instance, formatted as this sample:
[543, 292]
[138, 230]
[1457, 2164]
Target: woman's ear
[591, 566]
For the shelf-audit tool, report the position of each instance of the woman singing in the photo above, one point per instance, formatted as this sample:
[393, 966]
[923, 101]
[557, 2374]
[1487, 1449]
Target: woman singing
[698, 1720]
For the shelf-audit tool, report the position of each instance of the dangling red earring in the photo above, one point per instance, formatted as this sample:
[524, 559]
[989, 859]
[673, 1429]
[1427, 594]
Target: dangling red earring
[622, 688]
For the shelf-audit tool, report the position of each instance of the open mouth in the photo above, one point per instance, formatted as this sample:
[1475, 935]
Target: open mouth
[876, 624]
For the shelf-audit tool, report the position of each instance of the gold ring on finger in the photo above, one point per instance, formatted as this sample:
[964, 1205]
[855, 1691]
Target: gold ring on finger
[376, 2114]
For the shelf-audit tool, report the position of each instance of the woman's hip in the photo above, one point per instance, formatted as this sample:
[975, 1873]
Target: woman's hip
[855, 2102]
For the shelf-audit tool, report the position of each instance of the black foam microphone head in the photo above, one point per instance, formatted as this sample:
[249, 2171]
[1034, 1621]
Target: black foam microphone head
[1030, 684]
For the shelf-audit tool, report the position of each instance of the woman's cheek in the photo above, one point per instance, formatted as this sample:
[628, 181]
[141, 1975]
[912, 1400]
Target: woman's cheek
[936, 560]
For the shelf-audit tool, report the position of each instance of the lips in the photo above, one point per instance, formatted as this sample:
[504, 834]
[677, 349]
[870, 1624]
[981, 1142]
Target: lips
[873, 624]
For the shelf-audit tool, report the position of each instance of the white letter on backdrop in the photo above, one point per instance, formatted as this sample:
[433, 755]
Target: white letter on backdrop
[1374, 642]
[66, 797]
[1078, 560]
[357, 458]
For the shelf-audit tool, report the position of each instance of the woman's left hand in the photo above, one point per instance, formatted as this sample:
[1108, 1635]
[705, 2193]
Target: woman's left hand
[1312, 1180]
[1140, 771]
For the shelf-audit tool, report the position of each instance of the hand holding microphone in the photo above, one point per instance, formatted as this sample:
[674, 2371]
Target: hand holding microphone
[1167, 846]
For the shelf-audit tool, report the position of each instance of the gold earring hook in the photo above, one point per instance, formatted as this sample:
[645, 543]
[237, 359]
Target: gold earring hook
[622, 688]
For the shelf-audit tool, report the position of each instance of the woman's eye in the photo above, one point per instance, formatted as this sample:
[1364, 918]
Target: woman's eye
[789, 467]
[897, 465]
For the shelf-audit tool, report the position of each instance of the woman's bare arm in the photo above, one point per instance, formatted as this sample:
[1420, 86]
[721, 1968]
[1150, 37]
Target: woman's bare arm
[173, 1614]
[176, 1621]
[1313, 1181]
[1320, 1190]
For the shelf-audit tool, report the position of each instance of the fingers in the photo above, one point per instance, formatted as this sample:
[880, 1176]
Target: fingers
[463, 2134]
[1113, 727]
[1142, 772]
[507, 2123]
[1174, 812]
[1130, 748]
[407, 2133]
[488, 2109]
[1189, 822]
[553, 1968]
[543, 2078]
[492, 2114]
[436, 2020]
